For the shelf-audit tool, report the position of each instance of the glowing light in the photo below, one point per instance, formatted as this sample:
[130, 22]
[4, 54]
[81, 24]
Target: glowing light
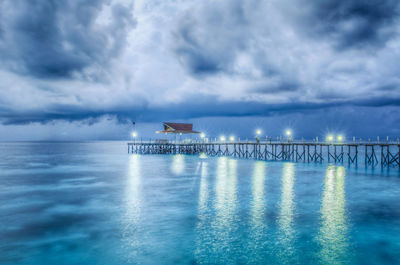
[204, 194]
[225, 202]
[258, 192]
[333, 230]
[329, 138]
[340, 138]
[232, 138]
[288, 132]
[203, 156]
[286, 238]
[133, 202]
[258, 209]
[222, 138]
[202, 135]
[134, 134]
[178, 164]
[258, 132]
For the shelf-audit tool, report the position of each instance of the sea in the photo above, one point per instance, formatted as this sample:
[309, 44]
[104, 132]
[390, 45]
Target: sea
[93, 203]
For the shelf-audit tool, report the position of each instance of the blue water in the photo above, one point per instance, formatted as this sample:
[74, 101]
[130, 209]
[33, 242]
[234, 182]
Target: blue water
[92, 203]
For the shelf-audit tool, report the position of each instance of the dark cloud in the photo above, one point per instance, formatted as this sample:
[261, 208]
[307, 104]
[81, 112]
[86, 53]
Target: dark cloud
[208, 38]
[281, 86]
[382, 101]
[353, 23]
[191, 108]
[50, 38]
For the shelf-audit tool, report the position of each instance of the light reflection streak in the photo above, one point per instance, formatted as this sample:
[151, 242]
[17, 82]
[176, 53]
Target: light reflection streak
[203, 237]
[223, 211]
[203, 156]
[333, 231]
[178, 164]
[258, 209]
[285, 219]
[133, 207]
[258, 192]
[219, 227]
[203, 194]
[133, 188]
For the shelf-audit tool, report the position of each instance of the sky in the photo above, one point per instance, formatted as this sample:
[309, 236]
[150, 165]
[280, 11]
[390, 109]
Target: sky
[87, 69]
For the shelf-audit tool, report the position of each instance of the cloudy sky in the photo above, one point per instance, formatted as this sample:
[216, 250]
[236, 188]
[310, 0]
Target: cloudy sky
[84, 69]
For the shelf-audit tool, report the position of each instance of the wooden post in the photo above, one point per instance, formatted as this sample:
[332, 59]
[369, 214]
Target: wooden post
[329, 155]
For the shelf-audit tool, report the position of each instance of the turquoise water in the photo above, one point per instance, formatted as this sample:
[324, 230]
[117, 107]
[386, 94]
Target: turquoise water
[92, 203]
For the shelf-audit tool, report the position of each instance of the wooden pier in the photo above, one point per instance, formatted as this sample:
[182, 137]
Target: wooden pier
[371, 154]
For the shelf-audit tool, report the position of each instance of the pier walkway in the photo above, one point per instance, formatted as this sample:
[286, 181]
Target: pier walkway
[372, 154]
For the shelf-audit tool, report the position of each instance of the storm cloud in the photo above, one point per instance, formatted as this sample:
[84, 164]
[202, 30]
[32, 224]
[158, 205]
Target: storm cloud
[355, 23]
[167, 60]
[51, 39]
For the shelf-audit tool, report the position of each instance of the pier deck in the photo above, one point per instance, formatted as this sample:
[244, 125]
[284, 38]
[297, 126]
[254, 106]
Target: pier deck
[372, 154]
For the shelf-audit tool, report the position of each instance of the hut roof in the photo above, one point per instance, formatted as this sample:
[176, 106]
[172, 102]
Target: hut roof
[170, 127]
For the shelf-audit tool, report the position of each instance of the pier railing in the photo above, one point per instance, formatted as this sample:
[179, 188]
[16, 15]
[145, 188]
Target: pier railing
[369, 153]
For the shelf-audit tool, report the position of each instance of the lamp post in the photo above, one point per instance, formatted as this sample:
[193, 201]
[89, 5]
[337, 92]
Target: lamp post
[202, 136]
[222, 138]
[258, 134]
[288, 134]
[134, 135]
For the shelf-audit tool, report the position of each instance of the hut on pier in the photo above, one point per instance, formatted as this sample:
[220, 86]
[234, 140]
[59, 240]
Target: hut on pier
[177, 128]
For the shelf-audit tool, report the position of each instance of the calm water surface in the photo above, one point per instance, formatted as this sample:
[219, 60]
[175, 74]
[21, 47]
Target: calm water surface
[92, 203]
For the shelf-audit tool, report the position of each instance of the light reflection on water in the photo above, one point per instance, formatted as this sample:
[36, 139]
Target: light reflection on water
[178, 164]
[185, 210]
[258, 220]
[333, 230]
[258, 192]
[203, 195]
[286, 231]
[203, 237]
[133, 205]
[224, 226]
[133, 189]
